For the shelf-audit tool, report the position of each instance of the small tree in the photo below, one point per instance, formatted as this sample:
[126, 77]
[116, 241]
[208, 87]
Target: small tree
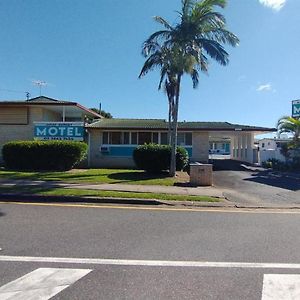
[290, 125]
[103, 113]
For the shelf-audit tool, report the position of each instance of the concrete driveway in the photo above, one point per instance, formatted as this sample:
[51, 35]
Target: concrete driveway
[257, 186]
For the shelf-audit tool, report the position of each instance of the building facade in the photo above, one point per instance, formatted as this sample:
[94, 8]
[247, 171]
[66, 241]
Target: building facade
[18, 119]
[112, 141]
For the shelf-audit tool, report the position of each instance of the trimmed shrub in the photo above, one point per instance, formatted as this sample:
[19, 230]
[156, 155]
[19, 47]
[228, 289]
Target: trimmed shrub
[43, 155]
[156, 158]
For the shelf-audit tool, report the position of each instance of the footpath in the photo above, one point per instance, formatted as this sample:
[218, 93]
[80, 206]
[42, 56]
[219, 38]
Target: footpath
[228, 197]
[170, 190]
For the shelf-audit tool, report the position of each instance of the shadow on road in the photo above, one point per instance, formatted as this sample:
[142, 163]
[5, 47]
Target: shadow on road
[2, 214]
[227, 164]
[277, 179]
[238, 173]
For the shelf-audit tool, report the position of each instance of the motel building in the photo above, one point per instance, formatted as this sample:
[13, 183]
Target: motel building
[42, 118]
[112, 141]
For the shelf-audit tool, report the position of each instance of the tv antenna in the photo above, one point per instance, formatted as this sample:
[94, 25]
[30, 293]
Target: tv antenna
[40, 84]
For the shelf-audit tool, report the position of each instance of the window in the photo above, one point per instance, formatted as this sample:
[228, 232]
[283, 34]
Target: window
[188, 139]
[164, 138]
[126, 138]
[180, 139]
[134, 138]
[155, 137]
[105, 138]
[184, 139]
[115, 138]
[144, 138]
[263, 145]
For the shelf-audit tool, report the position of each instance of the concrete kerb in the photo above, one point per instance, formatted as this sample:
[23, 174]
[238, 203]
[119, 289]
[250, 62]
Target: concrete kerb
[9, 197]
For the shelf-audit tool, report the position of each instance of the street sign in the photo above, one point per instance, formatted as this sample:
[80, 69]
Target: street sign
[296, 108]
[71, 131]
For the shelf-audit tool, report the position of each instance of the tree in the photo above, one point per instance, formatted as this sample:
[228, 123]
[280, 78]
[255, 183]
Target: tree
[291, 125]
[103, 113]
[201, 33]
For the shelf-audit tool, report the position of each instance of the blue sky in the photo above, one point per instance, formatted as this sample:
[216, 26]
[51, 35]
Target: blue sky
[90, 51]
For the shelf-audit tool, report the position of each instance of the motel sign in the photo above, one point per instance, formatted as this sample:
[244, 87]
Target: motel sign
[296, 109]
[72, 131]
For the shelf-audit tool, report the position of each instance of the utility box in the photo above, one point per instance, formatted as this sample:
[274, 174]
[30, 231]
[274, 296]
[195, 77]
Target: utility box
[201, 174]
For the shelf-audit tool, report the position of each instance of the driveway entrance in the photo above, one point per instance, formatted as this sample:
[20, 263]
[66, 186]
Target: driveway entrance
[256, 186]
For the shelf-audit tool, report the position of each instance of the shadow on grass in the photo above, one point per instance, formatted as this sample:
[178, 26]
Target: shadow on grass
[136, 176]
[32, 195]
[185, 184]
[92, 175]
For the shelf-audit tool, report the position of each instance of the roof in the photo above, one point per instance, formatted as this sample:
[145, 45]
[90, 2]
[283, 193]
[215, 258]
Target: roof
[43, 100]
[160, 124]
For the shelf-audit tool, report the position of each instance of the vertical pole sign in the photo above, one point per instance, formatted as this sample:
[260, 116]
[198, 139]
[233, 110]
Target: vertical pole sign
[296, 108]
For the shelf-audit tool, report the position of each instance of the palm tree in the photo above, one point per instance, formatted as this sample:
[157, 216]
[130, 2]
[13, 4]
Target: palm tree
[201, 33]
[170, 62]
[289, 125]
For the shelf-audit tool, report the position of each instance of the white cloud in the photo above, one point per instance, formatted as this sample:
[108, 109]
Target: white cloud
[264, 88]
[274, 4]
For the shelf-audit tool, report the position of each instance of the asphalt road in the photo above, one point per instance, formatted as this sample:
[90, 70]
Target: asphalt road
[147, 235]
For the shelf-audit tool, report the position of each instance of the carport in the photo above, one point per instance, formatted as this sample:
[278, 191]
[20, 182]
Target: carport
[240, 138]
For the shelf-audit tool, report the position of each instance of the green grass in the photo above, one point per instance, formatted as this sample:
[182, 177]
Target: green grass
[30, 190]
[94, 176]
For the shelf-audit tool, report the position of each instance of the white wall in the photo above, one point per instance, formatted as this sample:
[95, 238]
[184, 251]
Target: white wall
[264, 155]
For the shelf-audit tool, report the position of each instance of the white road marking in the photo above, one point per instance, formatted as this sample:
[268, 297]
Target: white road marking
[150, 263]
[42, 283]
[281, 287]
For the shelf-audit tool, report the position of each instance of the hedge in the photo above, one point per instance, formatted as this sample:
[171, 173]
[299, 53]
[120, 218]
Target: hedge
[43, 155]
[156, 158]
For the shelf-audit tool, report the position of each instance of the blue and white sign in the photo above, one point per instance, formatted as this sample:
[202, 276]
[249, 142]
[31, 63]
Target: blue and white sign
[72, 131]
[296, 109]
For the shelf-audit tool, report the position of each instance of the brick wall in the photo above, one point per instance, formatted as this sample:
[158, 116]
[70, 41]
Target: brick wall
[200, 147]
[25, 132]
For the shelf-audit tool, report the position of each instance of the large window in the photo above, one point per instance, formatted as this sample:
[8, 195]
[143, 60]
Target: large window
[145, 137]
[184, 139]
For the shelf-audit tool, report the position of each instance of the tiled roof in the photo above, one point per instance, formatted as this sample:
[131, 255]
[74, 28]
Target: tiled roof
[37, 101]
[160, 124]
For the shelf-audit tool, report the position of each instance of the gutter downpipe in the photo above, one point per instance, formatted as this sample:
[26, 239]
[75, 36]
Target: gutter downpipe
[89, 148]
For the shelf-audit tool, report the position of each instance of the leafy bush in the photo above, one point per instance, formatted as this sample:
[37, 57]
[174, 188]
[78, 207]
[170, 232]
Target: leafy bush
[43, 155]
[156, 158]
[275, 164]
[182, 158]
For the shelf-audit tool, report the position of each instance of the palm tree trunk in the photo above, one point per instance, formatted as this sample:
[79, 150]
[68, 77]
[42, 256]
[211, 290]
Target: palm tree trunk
[170, 121]
[174, 128]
